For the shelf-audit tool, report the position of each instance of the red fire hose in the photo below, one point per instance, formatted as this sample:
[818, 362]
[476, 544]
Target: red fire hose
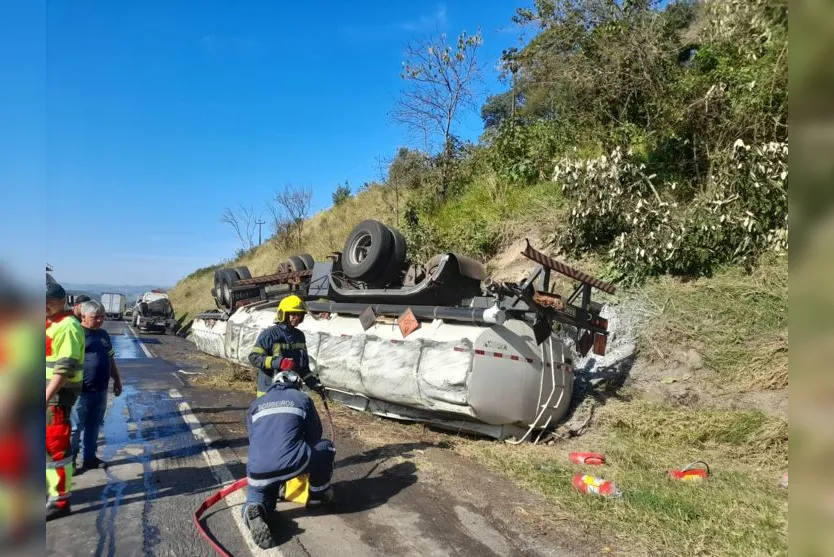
[235, 486]
[222, 494]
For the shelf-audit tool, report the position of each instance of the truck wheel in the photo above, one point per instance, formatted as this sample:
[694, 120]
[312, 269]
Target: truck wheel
[242, 272]
[367, 250]
[227, 278]
[396, 264]
[296, 264]
[308, 261]
[218, 287]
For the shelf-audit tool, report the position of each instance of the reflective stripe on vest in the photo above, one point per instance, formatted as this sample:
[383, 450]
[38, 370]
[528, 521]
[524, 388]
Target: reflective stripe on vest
[64, 462]
[279, 347]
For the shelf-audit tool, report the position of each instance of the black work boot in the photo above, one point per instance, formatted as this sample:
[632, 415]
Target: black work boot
[93, 463]
[255, 519]
[53, 512]
[316, 500]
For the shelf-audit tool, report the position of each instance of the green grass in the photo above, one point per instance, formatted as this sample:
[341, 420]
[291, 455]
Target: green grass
[490, 213]
[738, 511]
[737, 321]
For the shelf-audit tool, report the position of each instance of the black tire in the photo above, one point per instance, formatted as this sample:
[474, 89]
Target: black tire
[228, 278]
[242, 272]
[282, 268]
[308, 260]
[296, 264]
[367, 251]
[396, 264]
[218, 287]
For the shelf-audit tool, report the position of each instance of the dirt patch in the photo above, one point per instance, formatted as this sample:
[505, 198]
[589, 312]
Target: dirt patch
[509, 265]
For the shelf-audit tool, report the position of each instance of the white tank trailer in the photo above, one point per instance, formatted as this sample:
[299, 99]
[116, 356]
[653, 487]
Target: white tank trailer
[440, 343]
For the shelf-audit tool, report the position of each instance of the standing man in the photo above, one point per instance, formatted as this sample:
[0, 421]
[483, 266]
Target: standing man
[284, 442]
[283, 347]
[99, 367]
[64, 365]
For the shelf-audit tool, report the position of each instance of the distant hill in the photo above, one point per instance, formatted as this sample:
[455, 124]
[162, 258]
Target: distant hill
[95, 290]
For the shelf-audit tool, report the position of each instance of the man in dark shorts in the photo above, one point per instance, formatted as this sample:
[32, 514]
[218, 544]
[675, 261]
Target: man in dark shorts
[99, 367]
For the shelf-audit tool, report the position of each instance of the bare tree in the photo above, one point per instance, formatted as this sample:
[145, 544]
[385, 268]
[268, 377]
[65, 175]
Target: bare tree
[244, 223]
[390, 189]
[441, 80]
[290, 208]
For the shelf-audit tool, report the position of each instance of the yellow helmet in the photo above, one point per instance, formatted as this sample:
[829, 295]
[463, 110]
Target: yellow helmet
[290, 304]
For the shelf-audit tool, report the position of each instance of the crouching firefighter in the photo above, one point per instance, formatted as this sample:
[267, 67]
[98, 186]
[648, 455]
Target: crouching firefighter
[283, 346]
[285, 441]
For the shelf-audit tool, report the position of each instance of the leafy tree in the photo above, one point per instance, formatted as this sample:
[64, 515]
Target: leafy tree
[441, 81]
[499, 108]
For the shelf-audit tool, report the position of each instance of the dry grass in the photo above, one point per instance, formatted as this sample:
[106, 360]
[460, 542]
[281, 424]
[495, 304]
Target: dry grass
[226, 376]
[324, 233]
[738, 511]
[737, 321]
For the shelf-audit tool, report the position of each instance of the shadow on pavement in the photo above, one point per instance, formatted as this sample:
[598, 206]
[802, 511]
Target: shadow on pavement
[383, 453]
[181, 452]
[350, 496]
[167, 483]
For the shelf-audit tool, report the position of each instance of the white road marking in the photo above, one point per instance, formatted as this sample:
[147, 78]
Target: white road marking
[189, 372]
[145, 349]
[223, 474]
[177, 377]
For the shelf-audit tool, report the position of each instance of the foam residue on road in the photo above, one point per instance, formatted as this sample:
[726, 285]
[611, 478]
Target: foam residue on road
[127, 346]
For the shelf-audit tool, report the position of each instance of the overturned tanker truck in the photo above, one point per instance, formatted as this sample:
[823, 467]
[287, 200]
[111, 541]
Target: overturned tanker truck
[439, 343]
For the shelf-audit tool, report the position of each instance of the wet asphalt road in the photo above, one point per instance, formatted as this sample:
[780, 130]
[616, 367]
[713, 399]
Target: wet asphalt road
[157, 475]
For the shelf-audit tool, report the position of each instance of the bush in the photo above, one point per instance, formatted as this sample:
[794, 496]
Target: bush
[740, 213]
[421, 235]
[523, 154]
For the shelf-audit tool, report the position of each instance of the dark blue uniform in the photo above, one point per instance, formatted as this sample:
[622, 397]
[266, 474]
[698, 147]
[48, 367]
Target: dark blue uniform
[273, 345]
[284, 442]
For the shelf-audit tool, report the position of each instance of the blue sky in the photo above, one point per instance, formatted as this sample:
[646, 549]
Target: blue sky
[149, 118]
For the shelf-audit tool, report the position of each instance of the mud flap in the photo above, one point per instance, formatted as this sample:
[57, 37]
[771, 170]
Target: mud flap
[541, 329]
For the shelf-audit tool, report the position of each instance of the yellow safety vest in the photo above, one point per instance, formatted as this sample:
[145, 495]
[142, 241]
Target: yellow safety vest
[65, 352]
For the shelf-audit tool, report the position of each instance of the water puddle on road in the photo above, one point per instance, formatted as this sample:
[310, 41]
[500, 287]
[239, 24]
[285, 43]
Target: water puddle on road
[127, 347]
[142, 426]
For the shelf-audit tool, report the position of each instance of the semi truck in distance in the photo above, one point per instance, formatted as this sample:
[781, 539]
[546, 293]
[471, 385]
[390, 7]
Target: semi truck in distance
[114, 305]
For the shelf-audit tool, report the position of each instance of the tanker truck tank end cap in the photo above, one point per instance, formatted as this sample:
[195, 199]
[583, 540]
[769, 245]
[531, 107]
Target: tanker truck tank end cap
[494, 315]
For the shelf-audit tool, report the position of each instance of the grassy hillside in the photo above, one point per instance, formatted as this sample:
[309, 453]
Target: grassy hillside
[323, 233]
[709, 382]
[648, 153]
